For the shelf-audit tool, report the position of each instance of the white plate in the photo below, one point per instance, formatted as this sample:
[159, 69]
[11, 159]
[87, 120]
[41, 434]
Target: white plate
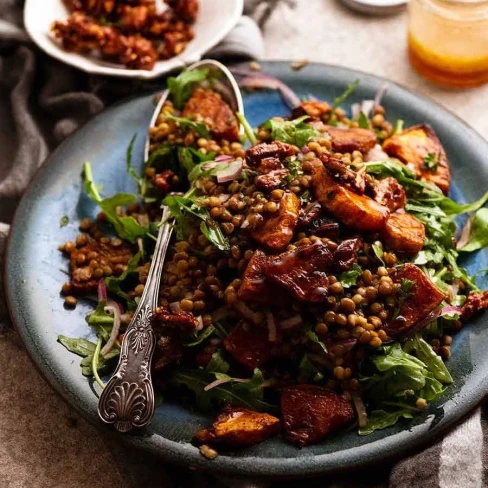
[215, 19]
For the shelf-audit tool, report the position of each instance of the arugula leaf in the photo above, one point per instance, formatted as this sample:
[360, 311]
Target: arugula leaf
[308, 370]
[217, 364]
[450, 207]
[199, 127]
[86, 349]
[126, 227]
[248, 130]
[311, 335]
[237, 394]
[433, 362]
[101, 322]
[350, 278]
[181, 87]
[478, 237]
[190, 159]
[378, 252]
[180, 207]
[130, 169]
[202, 337]
[431, 161]
[433, 389]
[114, 283]
[398, 126]
[380, 419]
[363, 121]
[295, 132]
[341, 99]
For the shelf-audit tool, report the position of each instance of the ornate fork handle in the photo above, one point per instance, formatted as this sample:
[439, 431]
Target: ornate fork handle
[128, 398]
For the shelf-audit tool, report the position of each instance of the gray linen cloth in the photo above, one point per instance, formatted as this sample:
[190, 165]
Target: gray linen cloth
[42, 102]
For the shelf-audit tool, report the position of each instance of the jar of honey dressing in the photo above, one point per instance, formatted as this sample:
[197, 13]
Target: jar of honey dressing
[448, 40]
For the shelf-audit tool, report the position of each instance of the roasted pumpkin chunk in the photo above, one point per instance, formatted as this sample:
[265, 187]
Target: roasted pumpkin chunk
[349, 140]
[422, 297]
[313, 108]
[311, 412]
[249, 345]
[404, 233]
[357, 211]
[236, 427]
[255, 286]
[215, 112]
[419, 148]
[302, 271]
[276, 231]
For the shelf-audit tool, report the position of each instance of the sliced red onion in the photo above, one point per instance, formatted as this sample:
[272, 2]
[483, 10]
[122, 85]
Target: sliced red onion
[291, 322]
[305, 149]
[199, 326]
[221, 381]
[248, 79]
[270, 321]
[366, 106]
[224, 158]
[174, 307]
[465, 233]
[380, 93]
[102, 291]
[112, 307]
[244, 310]
[448, 310]
[360, 408]
[231, 172]
[245, 224]
[210, 165]
[376, 154]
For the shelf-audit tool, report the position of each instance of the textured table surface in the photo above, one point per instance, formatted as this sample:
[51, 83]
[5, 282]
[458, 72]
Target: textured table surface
[43, 442]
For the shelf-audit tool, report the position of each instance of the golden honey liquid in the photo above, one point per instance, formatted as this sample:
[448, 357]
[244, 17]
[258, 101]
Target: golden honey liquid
[448, 41]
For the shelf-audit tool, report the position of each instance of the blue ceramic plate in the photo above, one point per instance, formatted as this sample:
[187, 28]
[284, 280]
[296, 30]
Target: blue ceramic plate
[36, 270]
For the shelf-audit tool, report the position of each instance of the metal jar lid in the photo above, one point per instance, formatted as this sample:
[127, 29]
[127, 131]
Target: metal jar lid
[376, 7]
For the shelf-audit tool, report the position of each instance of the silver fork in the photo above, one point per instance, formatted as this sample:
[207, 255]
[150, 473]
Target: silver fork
[127, 400]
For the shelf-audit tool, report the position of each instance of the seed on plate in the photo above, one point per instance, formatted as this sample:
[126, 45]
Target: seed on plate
[85, 224]
[98, 273]
[70, 301]
[270, 207]
[67, 288]
[208, 452]
[139, 290]
[347, 305]
[321, 328]
[336, 288]
[421, 403]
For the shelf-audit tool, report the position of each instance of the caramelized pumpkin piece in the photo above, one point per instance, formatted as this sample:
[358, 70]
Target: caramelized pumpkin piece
[313, 108]
[236, 427]
[255, 286]
[357, 211]
[423, 297]
[404, 233]
[349, 140]
[311, 412]
[215, 112]
[249, 345]
[419, 148]
[302, 271]
[276, 232]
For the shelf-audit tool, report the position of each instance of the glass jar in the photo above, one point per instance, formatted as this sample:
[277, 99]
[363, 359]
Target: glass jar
[448, 40]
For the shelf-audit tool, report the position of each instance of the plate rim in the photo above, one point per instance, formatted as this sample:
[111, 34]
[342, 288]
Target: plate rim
[172, 64]
[175, 452]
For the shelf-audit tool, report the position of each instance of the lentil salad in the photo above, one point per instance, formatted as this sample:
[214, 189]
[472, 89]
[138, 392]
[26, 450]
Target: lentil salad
[313, 271]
